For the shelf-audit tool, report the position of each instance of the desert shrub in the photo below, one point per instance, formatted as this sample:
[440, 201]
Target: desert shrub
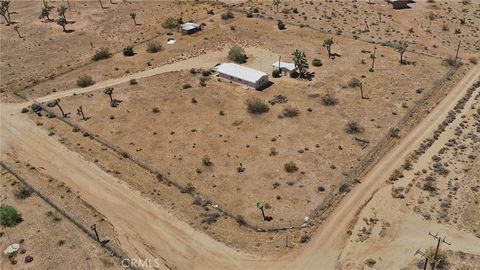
[329, 100]
[237, 55]
[256, 106]
[394, 132]
[249, 14]
[24, 110]
[344, 188]
[193, 71]
[23, 193]
[290, 167]
[317, 62]
[227, 15]
[304, 238]
[354, 82]
[276, 73]
[290, 112]
[9, 216]
[188, 189]
[153, 47]
[75, 129]
[186, 86]
[133, 81]
[156, 110]
[128, 51]
[206, 161]
[473, 60]
[370, 262]
[84, 81]
[281, 25]
[206, 72]
[241, 220]
[171, 23]
[54, 216]
[100, 54]
[210, 12]
[211, 218]
[353, 127]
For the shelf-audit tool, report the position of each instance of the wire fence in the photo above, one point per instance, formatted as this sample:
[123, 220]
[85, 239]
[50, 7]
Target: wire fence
[120, 255]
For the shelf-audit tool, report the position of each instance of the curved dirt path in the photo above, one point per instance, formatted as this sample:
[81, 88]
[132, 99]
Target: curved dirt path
[147, 231]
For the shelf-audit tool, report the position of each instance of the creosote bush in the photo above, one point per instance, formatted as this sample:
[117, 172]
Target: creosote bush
[128, 51]
[290, 167]
[9, 216]
[100, 54]
[237, 55]
[256, 106]
[290, 112]
[317, 62]
[227, 15]
[354, 82]
[329, 100]
[153, 47]
[171, 23]
[84, 81]
[353, 127]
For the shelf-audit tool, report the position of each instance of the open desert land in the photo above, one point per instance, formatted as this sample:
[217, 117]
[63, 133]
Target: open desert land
[44, 232]
[171, 161]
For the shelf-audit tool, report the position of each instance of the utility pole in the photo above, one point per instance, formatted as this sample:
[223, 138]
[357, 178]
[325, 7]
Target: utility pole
[458, 49]
[379, 17]
[361, 89]
[439, 241]
[373, 59]
[426, 258]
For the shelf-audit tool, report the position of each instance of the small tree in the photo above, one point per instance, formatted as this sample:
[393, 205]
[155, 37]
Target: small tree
[171, 23]
[109, 91]
[56, 102]
[260, 206]
[276, 3]
[133, 16]
[61, 11]
[327, 43]
[153, 47]
[237, 55]
[128, 51]
[256, 106]
[45, 13]
[281, 25]
[401, 48]
[62, 22]
[4, 11]
[301, 63]
[9, 216]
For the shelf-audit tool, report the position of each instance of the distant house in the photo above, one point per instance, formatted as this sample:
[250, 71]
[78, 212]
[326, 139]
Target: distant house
[190, 28]
[243, 75]
[286, 69]
[399, 4]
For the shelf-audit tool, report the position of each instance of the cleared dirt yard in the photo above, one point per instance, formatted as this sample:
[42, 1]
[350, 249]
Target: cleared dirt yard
[189, 126]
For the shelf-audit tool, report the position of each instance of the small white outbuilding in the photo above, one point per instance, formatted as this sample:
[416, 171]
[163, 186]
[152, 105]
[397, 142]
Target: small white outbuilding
[286, 69]
[243, 75]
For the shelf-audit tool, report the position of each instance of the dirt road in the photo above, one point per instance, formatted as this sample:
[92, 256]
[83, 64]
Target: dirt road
[147, 231]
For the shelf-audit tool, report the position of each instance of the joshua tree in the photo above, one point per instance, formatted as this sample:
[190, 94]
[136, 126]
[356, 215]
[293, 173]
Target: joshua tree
[61, 11]
[45, 13]
[4, 11]
[16, 30]
[276, 3]
[80, 112]
[301, 63]
[401, 48]
[56, 102]
[260, 206]
[62, 22]
[133, 15]
[327, 43]
[109, 91]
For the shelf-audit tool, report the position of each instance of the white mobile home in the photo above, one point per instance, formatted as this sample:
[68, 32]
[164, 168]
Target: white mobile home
[243, 75]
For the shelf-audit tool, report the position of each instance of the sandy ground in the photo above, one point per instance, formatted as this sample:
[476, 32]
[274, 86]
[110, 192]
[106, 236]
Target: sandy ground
[148, 225]
[41, 236]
